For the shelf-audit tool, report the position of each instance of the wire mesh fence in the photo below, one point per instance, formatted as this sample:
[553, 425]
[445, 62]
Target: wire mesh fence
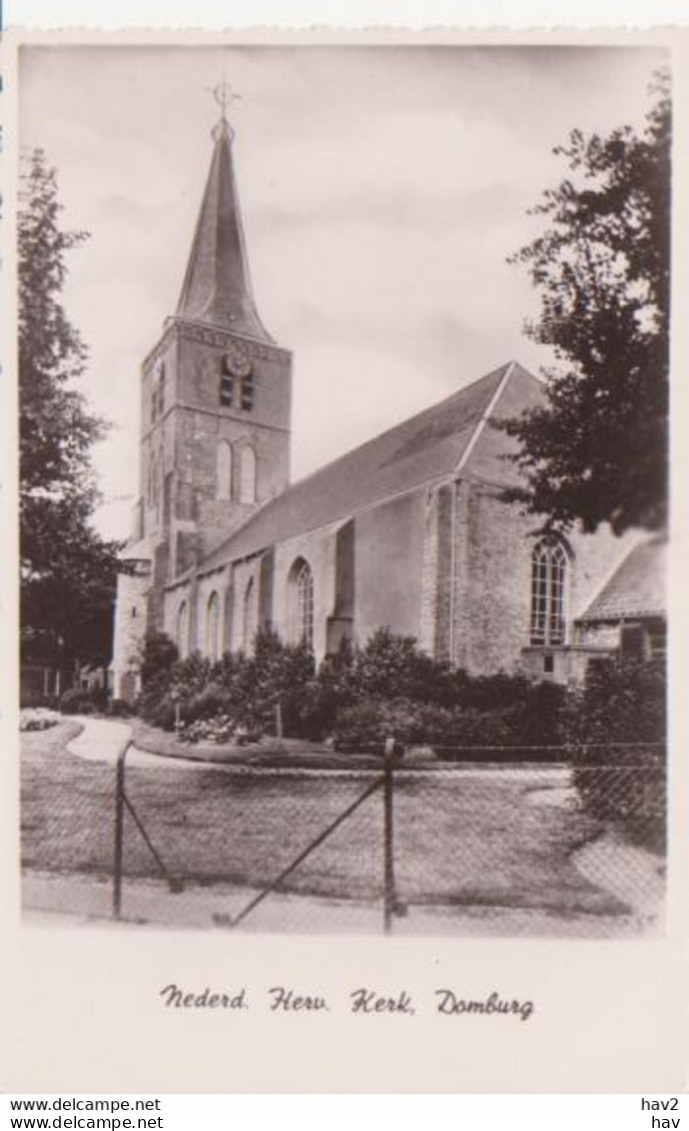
[454, 842]
[522, 848]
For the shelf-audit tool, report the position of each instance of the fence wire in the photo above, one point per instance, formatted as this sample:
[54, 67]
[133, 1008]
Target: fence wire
[479, 846]
[511, 849]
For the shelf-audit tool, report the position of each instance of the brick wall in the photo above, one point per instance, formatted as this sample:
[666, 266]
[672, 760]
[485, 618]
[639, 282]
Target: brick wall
[183, 440]
[203, 422]
[493, 576]
[130, 627]
[319, 549]
[429, 574]
[207, 585]
[492, 567]
[242, 573]
[173, 600]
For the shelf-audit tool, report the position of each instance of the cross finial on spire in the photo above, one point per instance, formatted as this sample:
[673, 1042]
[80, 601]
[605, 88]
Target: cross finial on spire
[224, 95]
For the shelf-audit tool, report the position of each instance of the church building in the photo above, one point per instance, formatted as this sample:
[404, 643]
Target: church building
[410, 530]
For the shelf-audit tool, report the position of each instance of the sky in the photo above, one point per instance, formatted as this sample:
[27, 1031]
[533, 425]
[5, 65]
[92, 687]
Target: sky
[382, 190]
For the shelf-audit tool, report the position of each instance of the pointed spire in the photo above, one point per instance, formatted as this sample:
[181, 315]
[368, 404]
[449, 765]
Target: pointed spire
[217, 285]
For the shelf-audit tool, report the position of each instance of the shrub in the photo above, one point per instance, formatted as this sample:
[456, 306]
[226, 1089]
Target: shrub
[253, 686]
[319, 703]
[189, 676]
[456, 733]
[160, 654]
[492, 692]
[326, 693]
[358, 696]
[161, 712]
[208, 703]
[247, 689]
[459, 734]
[120, 708]
[616, 727]
[82, 701]
[393, 667]
[31, 697]
[277, 673]
[170, 681]
[366, 726]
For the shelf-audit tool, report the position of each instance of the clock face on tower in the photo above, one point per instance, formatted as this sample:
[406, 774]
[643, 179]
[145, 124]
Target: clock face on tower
[237, 361]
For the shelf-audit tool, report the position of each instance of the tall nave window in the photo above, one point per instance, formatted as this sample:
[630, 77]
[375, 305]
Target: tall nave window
[182, 632]
[301, 603]
[250, 620]
[247, 475]
[213, 627]
[223, 470]
[549, 565]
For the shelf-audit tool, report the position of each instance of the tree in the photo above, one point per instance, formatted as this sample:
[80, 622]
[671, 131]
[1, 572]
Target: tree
[68, 572]
[597, 450]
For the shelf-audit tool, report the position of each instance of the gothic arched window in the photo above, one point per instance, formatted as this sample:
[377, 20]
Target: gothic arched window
[226, 390]
[182, 632]
[250, 620]
[247, 475]
[247, 402]
[224, 470]
[213, 627]
[300, 584]
[549, 564]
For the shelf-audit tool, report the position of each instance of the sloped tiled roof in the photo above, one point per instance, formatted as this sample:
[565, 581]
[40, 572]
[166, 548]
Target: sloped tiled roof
[636, 589]
[421, 450]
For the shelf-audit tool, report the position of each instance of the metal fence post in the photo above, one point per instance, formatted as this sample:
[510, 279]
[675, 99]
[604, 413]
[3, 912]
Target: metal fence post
[389, 898]
[119, 832]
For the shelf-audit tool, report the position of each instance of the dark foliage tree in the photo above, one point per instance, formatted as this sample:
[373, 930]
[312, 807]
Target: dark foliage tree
[68, 572]
[597, 450]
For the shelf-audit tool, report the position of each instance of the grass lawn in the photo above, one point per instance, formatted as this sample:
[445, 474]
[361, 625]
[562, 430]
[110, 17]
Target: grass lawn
[498, 837]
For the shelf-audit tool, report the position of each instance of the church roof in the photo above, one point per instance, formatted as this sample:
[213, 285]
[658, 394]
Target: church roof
[421, 450]
[636, 589]
[217, 285]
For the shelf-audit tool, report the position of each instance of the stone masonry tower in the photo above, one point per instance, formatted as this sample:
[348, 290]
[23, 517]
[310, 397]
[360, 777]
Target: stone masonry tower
[216, 394]
[215, 413]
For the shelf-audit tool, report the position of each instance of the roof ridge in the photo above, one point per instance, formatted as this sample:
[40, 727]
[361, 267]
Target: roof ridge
[508, 370]
[422, 447]
[409, 420]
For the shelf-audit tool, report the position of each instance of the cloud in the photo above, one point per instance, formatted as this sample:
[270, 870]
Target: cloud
[382, 189]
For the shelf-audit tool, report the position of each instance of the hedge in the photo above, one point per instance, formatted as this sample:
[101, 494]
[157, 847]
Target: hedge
[83, 700]
[522, 731]
[616, 725]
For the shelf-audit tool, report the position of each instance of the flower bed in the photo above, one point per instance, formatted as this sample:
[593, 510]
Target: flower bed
[221, 730]
[37, 718]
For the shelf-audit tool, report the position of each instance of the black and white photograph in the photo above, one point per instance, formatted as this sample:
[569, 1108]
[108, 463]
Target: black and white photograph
[344, 383]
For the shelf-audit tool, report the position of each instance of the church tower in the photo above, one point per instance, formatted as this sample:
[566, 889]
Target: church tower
[216, 393]
[215, 410]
